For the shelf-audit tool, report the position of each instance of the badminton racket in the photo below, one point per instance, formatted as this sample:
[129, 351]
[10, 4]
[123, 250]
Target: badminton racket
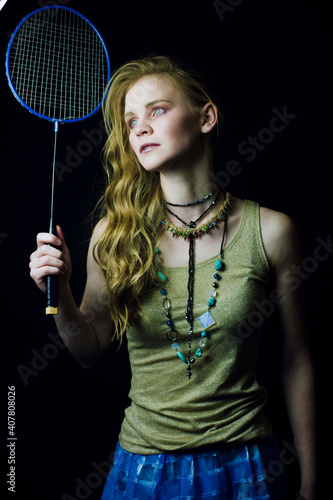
[58, 68]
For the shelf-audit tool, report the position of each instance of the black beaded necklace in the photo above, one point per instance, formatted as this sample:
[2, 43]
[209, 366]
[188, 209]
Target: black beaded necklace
[172, 334]
[193, 224]
[193, 202]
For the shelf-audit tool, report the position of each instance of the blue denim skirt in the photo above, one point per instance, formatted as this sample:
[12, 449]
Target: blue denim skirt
[250, 471]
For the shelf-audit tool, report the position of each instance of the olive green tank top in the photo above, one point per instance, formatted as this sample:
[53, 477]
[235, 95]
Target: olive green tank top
[222, 402]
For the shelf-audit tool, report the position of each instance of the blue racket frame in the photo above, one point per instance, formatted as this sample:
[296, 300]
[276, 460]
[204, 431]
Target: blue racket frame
[11, 85]
[52, 281]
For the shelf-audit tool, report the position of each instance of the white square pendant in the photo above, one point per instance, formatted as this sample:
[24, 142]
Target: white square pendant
[206, 320]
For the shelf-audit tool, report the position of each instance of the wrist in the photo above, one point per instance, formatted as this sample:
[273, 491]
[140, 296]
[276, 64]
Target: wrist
[307, 493]
[64, 295]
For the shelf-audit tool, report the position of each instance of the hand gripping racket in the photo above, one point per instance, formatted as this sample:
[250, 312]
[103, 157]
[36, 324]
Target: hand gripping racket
[58, 68]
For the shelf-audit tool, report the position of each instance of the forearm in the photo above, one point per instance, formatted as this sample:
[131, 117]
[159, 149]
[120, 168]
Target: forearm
[76, 331]
[86, 331]
[299, 388]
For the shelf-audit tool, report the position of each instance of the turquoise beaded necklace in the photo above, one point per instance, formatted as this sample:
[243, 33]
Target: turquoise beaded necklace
[206, 320]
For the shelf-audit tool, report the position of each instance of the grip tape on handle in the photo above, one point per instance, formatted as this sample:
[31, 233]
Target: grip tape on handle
[51, 287]
[52, 295]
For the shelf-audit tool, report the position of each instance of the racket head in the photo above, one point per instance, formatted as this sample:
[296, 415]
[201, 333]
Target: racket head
[57, 65]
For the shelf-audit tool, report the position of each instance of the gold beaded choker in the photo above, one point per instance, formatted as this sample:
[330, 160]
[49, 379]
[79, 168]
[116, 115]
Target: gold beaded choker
[203, 228]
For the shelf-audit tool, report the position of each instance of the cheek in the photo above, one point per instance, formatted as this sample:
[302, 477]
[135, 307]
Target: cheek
[131, 141]
[183, 131]
[187, 131]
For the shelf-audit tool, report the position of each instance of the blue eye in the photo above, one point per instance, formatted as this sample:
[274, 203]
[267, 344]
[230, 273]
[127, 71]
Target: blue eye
[133, 122]
[158, 111]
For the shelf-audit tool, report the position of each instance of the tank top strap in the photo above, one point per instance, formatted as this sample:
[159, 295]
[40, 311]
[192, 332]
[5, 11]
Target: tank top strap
[248, 240]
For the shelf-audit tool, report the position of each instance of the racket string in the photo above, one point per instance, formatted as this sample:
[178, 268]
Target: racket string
[59, 66]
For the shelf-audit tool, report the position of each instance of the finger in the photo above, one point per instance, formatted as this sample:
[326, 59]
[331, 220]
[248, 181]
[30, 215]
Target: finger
[61, 236]
[39, 274]
[47, 250]
[48, 239]
[48, 261]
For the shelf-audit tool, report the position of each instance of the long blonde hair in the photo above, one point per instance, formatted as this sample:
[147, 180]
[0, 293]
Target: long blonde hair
[133, 202]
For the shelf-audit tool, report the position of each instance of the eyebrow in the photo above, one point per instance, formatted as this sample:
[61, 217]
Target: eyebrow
[130, 113]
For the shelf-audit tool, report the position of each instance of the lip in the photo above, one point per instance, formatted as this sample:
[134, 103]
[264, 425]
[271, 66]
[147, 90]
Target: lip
[145, 148]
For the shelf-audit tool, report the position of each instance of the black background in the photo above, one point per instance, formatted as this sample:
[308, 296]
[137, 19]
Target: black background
[262, 55]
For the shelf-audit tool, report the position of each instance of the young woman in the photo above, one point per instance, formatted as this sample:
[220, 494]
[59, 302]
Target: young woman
[183, 267]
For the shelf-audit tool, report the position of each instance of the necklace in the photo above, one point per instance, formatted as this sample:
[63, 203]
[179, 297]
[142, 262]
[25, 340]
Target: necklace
[203, 228]
[206, 319]
[193, 202]
[193, 224]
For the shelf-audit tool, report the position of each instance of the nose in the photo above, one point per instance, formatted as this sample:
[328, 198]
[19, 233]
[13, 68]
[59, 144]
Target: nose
[143, 129]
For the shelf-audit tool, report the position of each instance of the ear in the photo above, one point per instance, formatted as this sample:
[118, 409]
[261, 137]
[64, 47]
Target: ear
[209, 118]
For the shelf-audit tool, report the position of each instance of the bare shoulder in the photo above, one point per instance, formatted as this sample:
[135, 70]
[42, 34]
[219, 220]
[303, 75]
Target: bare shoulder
[99, 229]
[97, 233]
[275, 224]
[93, 303]
[93, 269]
[279, 237]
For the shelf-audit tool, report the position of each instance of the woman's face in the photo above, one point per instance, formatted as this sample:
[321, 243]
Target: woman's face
[164, 131]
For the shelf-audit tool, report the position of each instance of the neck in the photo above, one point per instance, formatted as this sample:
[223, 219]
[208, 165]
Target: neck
[185, 185]
[191, 177]
[188, 181]
[189, 193]
[182, 191]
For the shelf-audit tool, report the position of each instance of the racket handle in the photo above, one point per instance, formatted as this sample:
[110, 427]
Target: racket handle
[52, 295]
[51, 287]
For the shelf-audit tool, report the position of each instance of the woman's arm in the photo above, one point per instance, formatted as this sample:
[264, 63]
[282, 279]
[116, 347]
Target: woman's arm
[86, 331]
[283, 250]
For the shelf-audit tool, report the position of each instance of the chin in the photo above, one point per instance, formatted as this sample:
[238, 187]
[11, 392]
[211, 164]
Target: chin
[153, 165]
